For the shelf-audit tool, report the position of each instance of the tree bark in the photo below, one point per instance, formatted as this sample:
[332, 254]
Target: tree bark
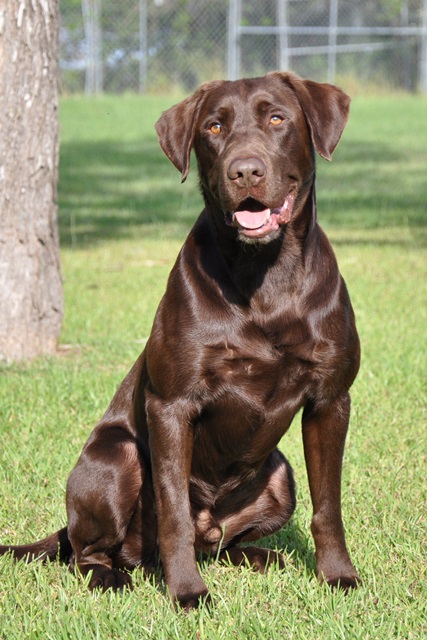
[31, 300]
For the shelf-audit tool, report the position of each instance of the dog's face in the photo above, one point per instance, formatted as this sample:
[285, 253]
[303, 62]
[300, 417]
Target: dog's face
[254, 154]
[254, 143]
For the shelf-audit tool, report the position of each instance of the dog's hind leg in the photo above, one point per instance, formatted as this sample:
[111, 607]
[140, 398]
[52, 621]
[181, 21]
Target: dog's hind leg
[253, 511]
[103, 495]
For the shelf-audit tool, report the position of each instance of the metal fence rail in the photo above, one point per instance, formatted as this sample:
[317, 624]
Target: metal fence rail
[150, 45]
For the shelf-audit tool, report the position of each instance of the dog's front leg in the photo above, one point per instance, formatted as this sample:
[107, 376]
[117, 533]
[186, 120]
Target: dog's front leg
[171, 446]
[324, 432]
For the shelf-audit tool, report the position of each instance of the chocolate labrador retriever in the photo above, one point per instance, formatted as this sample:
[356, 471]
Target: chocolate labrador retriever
[256, 323]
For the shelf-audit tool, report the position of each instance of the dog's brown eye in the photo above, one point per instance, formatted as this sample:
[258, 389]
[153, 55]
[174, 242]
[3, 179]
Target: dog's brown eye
[215, 128]
[275, 120]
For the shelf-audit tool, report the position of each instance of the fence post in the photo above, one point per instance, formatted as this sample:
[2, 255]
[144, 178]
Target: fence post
[332, 44]
[143, 46]
[423, 60]
[282, 21]
[234, 20]
[91, 11]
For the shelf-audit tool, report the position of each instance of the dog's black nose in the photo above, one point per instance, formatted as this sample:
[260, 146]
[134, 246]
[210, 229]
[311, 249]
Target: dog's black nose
[247, 172]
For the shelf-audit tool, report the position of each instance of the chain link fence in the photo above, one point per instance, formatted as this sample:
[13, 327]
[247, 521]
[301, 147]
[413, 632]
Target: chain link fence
[153, 45]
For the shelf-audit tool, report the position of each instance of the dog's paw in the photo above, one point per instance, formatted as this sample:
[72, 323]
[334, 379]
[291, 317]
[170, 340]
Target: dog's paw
[258, 558]
[189, 595]
[344, 577]
[344, 582]
[190, 600]
[337, 571]
[104, 578]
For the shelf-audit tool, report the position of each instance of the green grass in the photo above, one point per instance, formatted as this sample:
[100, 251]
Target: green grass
[123, 216]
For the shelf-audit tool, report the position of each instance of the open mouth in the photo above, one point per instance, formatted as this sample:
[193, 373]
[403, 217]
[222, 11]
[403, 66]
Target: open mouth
[254, 220]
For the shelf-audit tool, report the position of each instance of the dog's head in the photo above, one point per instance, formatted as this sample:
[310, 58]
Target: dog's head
[254, 143]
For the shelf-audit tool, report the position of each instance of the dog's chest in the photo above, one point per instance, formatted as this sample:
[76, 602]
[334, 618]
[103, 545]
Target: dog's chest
[265, 366]
[251, 392]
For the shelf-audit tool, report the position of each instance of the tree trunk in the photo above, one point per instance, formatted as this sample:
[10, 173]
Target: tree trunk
[31, 302]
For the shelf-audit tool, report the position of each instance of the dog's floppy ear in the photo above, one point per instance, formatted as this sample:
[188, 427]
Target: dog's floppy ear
[326, 109]
[176, 128]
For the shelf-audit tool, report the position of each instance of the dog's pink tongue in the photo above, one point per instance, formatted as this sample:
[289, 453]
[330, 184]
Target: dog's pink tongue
[252, 219]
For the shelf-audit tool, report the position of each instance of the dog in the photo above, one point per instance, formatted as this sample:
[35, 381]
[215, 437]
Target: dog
[256, 324]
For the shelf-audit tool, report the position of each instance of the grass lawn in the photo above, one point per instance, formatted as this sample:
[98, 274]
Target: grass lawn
[123, 216]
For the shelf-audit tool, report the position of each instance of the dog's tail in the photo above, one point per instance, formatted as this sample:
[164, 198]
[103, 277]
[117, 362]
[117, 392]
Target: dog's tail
[54, 547]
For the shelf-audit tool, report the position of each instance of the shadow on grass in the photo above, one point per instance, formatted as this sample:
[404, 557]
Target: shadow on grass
[290, 540]
[295, 543]
[108, 190]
